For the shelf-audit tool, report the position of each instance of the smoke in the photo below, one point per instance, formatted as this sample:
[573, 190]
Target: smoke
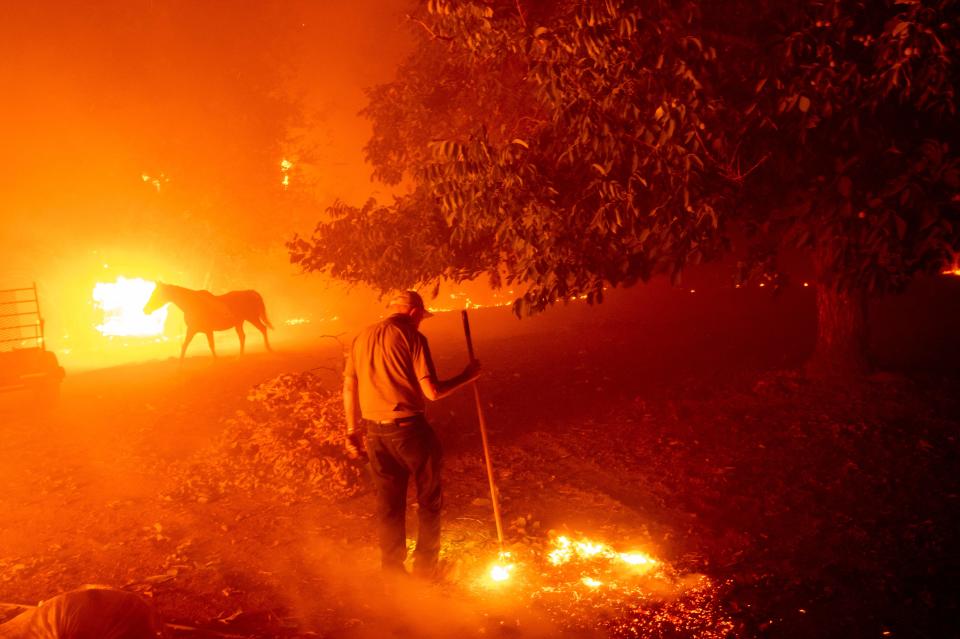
[336, 588]
[146, 140]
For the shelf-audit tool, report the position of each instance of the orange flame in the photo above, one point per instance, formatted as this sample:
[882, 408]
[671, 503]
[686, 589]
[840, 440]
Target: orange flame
[122, 304]
[500, 571]
[954, 268]
[566, 550]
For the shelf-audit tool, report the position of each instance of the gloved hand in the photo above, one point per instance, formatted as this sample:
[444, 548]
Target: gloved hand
[355, 446]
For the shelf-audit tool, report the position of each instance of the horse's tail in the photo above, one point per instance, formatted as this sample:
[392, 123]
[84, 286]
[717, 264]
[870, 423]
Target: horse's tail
[262, 312]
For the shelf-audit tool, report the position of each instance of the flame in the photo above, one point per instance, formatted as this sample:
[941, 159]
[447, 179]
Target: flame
[157, 182]
[954, 267]
[566, 550]
[285, 166]
[461, 300]
[499, 572]
[501, 569]
[636, 558]
[582, 583]
[122, 304]
[591, 582]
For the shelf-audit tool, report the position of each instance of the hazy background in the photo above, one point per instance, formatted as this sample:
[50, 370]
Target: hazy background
[145, 139]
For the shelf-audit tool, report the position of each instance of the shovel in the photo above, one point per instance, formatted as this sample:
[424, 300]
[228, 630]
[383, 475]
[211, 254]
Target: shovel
[483, 437]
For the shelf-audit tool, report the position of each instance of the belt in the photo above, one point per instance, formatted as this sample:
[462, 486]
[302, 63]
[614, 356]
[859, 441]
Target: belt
[402, 421]
[395, 426]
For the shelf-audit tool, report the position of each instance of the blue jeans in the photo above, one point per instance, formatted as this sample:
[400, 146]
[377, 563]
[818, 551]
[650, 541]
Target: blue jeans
[396, 452]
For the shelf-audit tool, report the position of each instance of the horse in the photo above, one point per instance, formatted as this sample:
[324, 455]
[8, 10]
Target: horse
[205, 312]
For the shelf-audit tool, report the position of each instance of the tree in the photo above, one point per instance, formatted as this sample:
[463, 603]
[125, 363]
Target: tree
[562, 158]
[564, 147]
[854, 107]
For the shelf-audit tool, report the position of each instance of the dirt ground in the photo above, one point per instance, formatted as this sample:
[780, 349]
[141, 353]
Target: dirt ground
[774, 505]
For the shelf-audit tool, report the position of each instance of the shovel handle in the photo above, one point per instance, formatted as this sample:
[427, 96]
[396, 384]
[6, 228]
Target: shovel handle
[466, 332]
[483, 438]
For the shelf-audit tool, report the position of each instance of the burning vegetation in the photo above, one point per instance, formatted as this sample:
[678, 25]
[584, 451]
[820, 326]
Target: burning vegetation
[584, 584]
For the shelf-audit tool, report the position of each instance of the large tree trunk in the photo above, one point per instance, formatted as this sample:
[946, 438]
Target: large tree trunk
[841, 348]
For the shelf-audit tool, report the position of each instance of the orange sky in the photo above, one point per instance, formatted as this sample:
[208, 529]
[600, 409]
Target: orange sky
[206, 98]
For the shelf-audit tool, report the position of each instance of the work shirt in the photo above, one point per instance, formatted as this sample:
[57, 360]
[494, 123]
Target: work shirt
[388, 360]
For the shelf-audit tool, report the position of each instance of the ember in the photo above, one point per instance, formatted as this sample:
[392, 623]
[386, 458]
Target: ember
[566, 550]
[577, 580]
[285, 166]
[500, 571]
[591, 582]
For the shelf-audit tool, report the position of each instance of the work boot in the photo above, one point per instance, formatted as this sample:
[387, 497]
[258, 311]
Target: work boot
[394, 579]
[436, 572]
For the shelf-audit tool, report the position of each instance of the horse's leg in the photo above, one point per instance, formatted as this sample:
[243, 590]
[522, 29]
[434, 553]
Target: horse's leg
[263, 329]
[186, 342]
[241, 335]
[210, 342]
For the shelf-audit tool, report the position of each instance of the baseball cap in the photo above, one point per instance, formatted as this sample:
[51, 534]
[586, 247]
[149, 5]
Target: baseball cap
[410, 299]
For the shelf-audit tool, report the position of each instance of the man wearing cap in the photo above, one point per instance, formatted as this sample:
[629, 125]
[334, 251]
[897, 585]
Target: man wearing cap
[389, 374]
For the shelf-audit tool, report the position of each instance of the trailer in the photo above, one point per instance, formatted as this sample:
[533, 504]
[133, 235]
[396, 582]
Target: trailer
[25, 362]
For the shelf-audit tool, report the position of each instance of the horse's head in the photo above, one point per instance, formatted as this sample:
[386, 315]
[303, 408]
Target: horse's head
[157, 299]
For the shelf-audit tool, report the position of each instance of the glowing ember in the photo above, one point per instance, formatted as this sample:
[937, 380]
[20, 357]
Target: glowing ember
[587, 548]
[566, 550]
[285, 166]
[461, 300]
[630, 594]
[636, 559]
[954, 268]
[501, 570]
[591, 582]
[584, 584]
[122, 304]
[157, 182]
[562, 553]
[500, 573]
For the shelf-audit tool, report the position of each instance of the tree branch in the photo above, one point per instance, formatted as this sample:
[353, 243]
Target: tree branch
[427, 28]
[523, 19]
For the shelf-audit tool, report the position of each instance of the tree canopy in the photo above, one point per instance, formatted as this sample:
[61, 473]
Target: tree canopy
[854, 110]
[560, 148]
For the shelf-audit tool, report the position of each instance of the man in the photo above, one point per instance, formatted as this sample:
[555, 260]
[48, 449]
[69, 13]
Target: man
[388, 376]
